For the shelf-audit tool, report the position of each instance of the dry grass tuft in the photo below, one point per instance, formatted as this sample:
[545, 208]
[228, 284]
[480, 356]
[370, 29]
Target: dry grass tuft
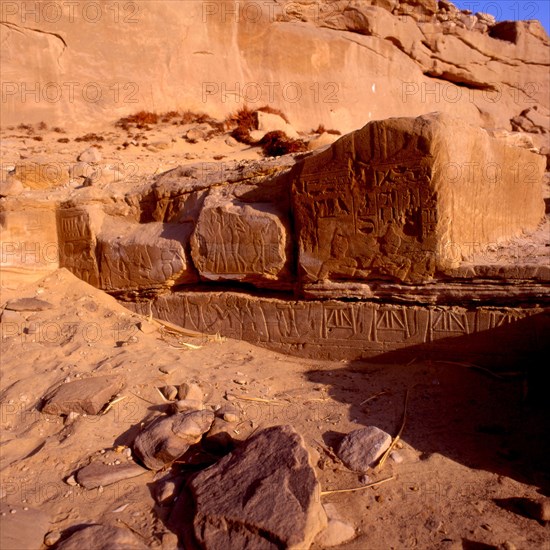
[272, 111]
[277, 143]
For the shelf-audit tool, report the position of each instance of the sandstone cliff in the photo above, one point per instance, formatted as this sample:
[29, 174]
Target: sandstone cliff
[339, 63]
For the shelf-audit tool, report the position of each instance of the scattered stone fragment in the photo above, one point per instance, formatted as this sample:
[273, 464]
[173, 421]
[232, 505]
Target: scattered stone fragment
[98, 474]
[71, 481]
[52, 538]
[538, 509]
[167, 370]
[170, 392]
[90, 155]
[28, 304]
[22, 528]
[167, 438]
[264, 494]
[186, 405]
[87, 396]
[360, 449]
[337, 530]
[190, 391]
[167, 488]
[396, 457]
[102, 537]
[229, 413]
[196, 134]
[218, 439]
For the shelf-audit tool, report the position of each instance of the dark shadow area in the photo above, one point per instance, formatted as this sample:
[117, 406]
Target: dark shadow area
[516, 344]
[468, 544]
[471, 413]
[521, 506]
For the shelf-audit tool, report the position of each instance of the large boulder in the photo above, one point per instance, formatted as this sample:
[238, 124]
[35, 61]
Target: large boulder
[264, 495]
[401, 199]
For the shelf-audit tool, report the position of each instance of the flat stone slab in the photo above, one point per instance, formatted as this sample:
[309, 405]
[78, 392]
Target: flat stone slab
[102, 537]
[98, 474]
[22, 527]
[28, 304]
[87, 396]
[264, 495]
[336, 330]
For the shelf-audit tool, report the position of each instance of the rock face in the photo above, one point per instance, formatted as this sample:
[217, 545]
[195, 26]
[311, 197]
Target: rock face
[86, 396]
[263, 495]
[167, 438]
[396, 199]
[102, 537]
[372, 59]
[333, 329]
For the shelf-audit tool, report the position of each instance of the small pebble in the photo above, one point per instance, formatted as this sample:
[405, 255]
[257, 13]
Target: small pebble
[396, 457]
[166, 370]
[71, 481]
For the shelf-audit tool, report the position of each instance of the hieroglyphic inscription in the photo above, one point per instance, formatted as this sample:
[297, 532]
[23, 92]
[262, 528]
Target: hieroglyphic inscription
[368, 221]
[149, 256]
[77, 244]
[342, 330]
[369, 214]
[238, 241]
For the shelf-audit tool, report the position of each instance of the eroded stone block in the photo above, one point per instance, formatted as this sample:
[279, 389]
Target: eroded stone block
[143, 256]
[240, 242]
[77, 230]
[404, 198]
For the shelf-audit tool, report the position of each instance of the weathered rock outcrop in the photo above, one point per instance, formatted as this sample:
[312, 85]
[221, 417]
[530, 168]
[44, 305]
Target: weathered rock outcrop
[399, 201]
[425, 211]
[331, 62]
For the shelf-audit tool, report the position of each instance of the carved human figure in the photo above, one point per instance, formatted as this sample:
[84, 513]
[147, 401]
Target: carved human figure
[340, 265]
[391, 262]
